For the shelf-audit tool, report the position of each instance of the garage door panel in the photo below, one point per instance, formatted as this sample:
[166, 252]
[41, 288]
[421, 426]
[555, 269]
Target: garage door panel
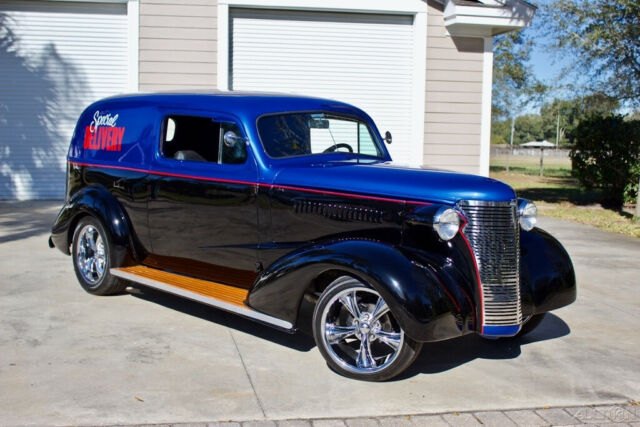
[363, 59]
[62, 56]
[57, 9]
[293, 17]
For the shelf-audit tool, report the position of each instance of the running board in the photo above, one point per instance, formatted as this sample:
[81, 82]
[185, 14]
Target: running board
[217, 295]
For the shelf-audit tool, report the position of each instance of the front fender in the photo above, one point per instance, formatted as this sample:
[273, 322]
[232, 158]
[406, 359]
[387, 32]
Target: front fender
[548, 280]
[423, 307]
[99, 203]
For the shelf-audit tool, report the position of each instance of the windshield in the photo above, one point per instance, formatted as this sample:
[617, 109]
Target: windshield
[299, 134]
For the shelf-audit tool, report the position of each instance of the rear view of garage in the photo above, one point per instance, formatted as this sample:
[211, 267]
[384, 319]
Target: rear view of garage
[55, 59]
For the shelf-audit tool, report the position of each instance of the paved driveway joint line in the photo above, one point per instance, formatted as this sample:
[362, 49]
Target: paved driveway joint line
[244, 366]
[624, 414]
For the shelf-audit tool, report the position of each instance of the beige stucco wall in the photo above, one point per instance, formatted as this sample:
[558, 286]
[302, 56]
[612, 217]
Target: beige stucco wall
[178, 44]
[453, 97]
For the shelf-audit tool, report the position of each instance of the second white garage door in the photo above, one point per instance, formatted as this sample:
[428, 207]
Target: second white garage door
[55, 58]
[365, 60]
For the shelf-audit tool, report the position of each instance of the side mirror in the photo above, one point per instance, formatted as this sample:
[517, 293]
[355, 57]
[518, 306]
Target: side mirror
[231, 139]
[387, 137]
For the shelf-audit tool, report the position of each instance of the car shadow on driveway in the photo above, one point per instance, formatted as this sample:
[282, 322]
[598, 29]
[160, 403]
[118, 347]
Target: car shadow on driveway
[21, 220]
[435, 357]
[296, 341]
[445, 355]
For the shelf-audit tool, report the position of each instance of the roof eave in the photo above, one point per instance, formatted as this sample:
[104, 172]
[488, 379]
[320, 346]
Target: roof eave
[486, 21]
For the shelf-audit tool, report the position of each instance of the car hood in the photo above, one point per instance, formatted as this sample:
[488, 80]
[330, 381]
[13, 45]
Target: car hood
[386, 179]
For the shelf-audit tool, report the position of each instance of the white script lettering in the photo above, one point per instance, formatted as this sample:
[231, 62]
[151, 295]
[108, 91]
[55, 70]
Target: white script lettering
[102, 120]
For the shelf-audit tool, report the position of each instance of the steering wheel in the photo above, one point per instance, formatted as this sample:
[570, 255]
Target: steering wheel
[335, 147]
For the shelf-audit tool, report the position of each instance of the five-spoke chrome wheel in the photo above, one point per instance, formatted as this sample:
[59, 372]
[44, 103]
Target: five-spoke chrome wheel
[358, 334]
[94, 255]
[90, 254]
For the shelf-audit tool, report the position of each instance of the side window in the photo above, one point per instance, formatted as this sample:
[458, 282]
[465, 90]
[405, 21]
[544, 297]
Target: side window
[365, 141]
[200, 139]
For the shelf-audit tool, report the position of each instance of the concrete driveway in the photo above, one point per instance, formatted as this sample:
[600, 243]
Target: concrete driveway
[67, 357]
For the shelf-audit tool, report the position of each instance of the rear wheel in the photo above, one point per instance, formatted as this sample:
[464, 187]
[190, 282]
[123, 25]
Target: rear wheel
[358, 335]
[93, 256]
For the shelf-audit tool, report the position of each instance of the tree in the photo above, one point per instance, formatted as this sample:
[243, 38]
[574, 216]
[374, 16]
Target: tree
[604, 37]
[571, 112]
[529, 127]
[500, 130]
[606, 155]
[514, 84]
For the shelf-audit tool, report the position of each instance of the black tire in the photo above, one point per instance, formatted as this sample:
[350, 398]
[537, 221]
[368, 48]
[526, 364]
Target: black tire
[96, 280]
[344, 354]
[531, 324]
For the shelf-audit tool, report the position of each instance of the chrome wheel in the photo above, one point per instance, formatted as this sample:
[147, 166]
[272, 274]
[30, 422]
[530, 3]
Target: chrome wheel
[358, 331]
[91, 257]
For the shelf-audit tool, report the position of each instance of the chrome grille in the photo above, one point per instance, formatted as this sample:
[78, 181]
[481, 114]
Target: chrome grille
[493, 233]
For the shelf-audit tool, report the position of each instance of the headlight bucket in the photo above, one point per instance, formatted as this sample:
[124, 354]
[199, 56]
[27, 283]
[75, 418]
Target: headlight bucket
[446, 222]
[527, 214]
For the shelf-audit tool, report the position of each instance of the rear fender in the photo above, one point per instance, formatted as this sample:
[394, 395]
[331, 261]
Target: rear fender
[424, 308]
[98, 203]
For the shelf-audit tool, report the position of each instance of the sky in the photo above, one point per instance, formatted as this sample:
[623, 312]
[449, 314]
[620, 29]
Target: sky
[546, 63]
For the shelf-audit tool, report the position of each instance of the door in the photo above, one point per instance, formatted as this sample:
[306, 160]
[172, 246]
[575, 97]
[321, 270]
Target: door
[202, 207]
[55, 59]
[363, 59]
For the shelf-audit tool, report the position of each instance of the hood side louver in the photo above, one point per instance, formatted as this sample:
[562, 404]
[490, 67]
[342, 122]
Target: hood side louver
[339, 211]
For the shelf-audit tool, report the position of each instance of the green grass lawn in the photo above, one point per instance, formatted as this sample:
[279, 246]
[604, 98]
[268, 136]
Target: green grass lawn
[558, 195]
[525, 165]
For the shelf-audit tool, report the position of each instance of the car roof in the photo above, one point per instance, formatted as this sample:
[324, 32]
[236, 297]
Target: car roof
[239, 103]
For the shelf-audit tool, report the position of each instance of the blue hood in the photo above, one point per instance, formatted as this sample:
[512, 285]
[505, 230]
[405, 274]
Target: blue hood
[389, 180]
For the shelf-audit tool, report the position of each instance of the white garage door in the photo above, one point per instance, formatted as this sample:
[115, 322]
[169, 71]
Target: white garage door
[55, 59]
[365, 60]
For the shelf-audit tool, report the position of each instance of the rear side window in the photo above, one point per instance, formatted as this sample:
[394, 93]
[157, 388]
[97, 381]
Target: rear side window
[200, 139]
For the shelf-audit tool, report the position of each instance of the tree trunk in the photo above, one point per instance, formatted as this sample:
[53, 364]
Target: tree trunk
[513, 124]
[638, 203]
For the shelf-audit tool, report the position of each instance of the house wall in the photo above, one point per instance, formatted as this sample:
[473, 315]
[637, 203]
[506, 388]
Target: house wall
[453, 98]
[178, 50]
[178, 44]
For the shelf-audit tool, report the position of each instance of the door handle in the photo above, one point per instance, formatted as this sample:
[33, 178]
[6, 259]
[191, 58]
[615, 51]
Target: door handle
[119, 184]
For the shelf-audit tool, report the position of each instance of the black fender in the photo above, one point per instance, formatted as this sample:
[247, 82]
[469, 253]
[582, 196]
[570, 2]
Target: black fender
[547, 277]
[423, 307]
[99, 203]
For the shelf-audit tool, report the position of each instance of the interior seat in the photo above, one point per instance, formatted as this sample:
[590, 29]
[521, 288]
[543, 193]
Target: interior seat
[189, 155]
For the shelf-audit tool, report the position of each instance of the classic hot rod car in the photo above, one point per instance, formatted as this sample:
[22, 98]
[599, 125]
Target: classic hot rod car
[288, 210]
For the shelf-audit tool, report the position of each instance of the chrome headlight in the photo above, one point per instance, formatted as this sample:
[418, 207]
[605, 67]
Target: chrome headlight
[527, 214]
[446, 222]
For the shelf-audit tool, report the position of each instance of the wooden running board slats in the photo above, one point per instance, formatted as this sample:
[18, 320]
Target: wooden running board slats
[213, 290]
[215, 294]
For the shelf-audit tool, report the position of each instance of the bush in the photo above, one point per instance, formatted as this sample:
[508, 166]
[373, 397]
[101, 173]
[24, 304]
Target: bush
[606, 155]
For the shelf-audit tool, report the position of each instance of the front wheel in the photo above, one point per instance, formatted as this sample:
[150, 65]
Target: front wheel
[358, 335]
[93, 256]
